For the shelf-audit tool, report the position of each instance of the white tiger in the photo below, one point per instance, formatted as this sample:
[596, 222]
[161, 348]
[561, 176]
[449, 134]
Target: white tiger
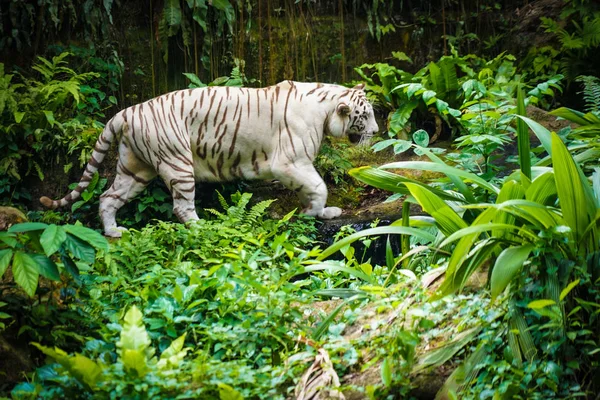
[224, 133]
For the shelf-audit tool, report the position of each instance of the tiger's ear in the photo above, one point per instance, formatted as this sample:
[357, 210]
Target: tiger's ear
[360, 86]
[343, 109]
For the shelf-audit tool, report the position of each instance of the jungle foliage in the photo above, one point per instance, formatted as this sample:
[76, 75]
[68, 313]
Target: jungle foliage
[243, 304]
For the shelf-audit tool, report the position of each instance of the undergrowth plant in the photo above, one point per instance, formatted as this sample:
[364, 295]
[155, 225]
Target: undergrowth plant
[539, 237]
[442, 89]
[221, 286]
[577, 34]
[47, 118]
[41, 266]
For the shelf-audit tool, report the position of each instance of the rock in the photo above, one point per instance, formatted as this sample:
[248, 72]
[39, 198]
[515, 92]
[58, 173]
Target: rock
[548, 120]
[10, 216]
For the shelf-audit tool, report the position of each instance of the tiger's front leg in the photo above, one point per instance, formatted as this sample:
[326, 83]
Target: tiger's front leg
[306, 181]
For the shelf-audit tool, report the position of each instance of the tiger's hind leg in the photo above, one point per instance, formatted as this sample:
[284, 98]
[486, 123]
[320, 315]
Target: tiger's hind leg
[133, 175]
[182, 185]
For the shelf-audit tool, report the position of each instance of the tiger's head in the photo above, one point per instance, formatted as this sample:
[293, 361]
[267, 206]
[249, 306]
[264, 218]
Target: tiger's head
[355, 114]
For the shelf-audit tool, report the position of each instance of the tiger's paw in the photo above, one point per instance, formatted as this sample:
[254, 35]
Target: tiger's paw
[115, 232]
[330, 213]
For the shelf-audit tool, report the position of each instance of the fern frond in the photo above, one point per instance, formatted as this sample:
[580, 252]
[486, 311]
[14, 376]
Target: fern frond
[258, 210]
[591, 92]
[239, 209]
[550, 25]
[222, 201]
[60, 59]
[215, 213]
[570, 41]
[39, 170]
[590, 32]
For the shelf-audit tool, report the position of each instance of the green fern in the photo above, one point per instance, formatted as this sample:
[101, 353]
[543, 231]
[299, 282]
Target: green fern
[589, 31]
[216, 213]
[591, 92]
[258, 211]
[8, 97]
[222, 201]
[238, 210]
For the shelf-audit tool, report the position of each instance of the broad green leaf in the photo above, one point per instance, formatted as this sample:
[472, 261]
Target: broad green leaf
[71, 267]
[469, 254]
[383, 230]
[519, 326]
[436, 357]
[178, 294]
[460, 185]
[25, 271]
[80, 249]
[481, 228]
[135, 360]
[27, 227]
[568, 289]
[82, 368]
[5, 257]
[52, 238]
[405, 240]
[523, 137]
[421, 137]
[576, 208]
[446, 218]
[172, 16]
[401, 146]
[134, 346]
[408, 273]
[539, 216]
[18, 116]
[437, 79]
[571, 115]
[46, 267]
[513, 346]
[400, 116]
[466, 372]
[196, 82]
[542, 190]
[510, 190]
[468, 246]
[429, 97]
[86, 369]
[320, 329]
[541, 132]
[400, 55]
[336, 267]
[507, 265]
[226, 392]
[88, 235]
[50, 116]
[384, 144]
[393, 182]
[443, 168]
[9, 239]
[174, 354]
[386, 372]
[389, 255]
[537, 304]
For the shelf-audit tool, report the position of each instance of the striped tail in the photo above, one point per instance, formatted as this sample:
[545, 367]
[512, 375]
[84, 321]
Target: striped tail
[100, 149]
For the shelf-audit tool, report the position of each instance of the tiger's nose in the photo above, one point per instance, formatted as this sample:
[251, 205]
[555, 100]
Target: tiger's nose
[374, 129]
